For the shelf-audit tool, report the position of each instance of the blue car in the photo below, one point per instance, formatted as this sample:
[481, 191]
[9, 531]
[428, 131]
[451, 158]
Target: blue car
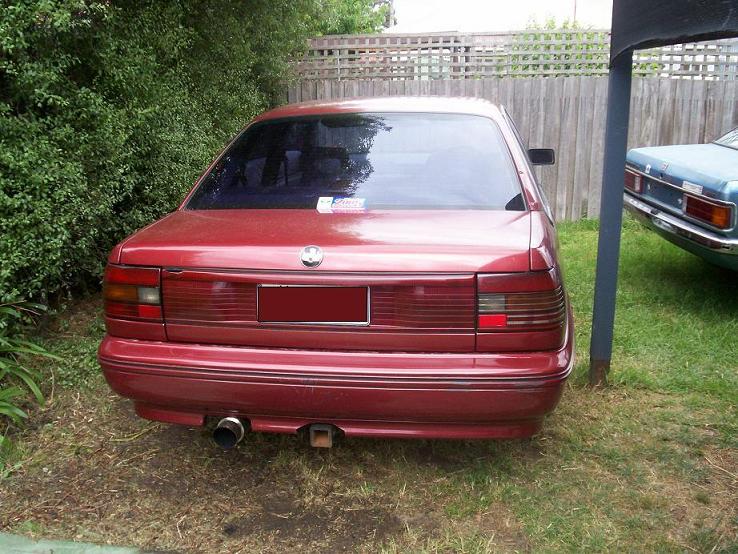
[688, 194]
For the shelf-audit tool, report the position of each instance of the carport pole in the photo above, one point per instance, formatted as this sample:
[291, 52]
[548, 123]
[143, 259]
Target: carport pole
[611, 217]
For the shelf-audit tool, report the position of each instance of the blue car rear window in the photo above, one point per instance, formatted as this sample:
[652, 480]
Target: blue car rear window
[383, 161]
[729, 139]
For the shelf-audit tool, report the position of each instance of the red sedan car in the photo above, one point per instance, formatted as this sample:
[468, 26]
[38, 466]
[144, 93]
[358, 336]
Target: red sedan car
[372, 267]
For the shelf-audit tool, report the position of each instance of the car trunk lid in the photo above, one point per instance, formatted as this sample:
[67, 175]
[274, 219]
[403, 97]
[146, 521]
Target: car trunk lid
[669, 171]
[392, 240]
[418, 269]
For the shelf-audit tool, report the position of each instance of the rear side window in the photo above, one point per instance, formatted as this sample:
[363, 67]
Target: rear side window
[383, 161]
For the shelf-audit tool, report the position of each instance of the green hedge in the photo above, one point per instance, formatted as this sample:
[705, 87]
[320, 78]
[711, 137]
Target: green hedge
[109, 110]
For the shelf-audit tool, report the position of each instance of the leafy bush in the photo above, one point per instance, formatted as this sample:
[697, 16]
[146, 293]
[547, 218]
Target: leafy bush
[342, 17]
[16, 378]
[563, 49]
[109, 110]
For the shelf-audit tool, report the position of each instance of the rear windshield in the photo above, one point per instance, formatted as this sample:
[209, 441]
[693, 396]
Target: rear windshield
[729, 139]
[364, 162]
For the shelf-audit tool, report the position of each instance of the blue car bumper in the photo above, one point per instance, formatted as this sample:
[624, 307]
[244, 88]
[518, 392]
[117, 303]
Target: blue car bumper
[714, 248]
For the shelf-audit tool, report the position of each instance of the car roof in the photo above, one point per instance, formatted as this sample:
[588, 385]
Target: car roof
[386, 104]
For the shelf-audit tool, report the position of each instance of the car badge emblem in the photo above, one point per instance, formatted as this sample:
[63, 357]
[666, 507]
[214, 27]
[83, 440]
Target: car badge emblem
[311, 256]
[664, 166]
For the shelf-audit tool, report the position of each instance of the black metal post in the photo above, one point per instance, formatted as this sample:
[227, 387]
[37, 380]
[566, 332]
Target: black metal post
[611, 216]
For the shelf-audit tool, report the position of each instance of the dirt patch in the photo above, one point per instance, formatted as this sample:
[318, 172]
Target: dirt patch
[98, 473]
[75, 321]
[336, 528]
[503, 528]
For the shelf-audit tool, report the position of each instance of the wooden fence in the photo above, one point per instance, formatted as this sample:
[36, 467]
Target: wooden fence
[568, 114]
[524, 53]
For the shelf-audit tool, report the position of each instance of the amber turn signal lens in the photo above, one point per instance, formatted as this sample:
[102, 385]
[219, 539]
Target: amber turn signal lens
[717, 215]
[120, 293]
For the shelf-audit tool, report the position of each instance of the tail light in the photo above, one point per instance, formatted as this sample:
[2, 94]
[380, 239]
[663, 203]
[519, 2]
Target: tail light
[520, 311]
[633, 182]
[717, 215]
[133, 302]
[132, 293]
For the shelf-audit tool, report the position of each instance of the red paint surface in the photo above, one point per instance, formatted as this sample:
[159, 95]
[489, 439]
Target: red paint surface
[370, 394]
[419, 369]
[391, 241]
[313, 304]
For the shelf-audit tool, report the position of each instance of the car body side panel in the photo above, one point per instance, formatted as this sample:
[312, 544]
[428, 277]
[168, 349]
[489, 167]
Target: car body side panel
[543, 244]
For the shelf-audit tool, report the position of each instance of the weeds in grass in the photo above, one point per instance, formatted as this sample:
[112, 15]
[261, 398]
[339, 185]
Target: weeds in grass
[17, 379]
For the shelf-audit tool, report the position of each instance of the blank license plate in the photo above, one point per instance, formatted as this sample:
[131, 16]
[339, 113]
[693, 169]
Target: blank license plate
[317, 305]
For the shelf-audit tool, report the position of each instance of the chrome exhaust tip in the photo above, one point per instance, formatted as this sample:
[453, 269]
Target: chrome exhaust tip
[229, 432]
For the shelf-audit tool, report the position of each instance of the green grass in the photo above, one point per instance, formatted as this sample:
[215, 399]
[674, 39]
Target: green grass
[676, 316]
[676, 325]
[649, 463]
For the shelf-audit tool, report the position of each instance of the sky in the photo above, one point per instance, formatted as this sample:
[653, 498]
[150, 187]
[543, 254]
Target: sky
[417, 16]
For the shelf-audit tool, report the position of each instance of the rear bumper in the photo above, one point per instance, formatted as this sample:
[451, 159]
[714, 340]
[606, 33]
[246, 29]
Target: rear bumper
[368, 394]
[702, 242]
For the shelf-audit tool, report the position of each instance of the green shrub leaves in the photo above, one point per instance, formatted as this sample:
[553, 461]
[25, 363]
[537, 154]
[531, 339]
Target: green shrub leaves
[109, 110]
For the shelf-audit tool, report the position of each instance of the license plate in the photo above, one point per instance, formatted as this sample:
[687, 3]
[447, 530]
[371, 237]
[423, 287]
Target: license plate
[317, 305]
[663, 193]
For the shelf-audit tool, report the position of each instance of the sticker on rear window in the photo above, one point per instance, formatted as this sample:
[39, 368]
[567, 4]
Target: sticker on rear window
[329, 204]
[324, 204]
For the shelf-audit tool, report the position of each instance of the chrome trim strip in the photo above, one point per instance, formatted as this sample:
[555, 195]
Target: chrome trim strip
[537, 322]
[671, 224]
[731, 205]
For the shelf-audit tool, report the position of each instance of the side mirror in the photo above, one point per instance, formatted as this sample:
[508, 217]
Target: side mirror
[542, 156]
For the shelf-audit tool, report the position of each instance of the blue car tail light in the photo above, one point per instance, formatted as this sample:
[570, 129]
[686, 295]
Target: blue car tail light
[633, 182]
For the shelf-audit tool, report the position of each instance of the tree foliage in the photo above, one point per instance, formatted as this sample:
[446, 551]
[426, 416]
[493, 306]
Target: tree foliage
[17, 378]
[110, 109]
[559, 49]
[342, 17]
[563, 49]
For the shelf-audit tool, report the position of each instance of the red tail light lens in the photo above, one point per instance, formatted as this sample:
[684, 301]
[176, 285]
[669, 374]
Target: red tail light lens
[132, 293]
[492, 321]
[717, 215]
[520, 311]
[633, 182]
